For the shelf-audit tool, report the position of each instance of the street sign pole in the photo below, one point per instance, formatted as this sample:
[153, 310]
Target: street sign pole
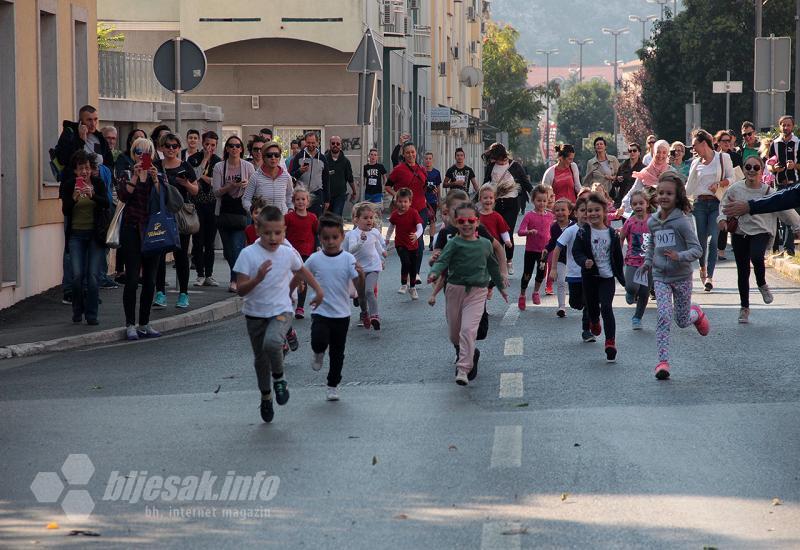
[727, 100]
[178, 85]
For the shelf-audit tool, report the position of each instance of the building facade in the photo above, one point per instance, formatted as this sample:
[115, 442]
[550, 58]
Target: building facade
[49, 50]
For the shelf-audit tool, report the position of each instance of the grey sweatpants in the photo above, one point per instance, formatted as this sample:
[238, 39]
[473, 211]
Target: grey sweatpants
[370, 284]
[641, 292]
[267, 336]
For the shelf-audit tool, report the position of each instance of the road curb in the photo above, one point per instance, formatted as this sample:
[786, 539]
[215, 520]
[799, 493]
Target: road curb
[785, 267]
[200, 316]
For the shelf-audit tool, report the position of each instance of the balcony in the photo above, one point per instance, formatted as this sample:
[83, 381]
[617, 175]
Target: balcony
[124, 75]
[422, 45]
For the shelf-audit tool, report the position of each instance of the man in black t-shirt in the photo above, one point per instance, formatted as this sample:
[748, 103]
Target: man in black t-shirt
[374, 177]
[459, 175]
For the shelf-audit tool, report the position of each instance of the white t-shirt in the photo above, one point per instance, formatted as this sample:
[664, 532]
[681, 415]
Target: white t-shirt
[271, 296]
[566, 240]
[368, 251]
[601, 249]
[334, 274]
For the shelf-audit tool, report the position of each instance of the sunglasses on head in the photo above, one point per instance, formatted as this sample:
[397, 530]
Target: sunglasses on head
[172, 146]
[752, 167]
[462, 221]
[273, 155]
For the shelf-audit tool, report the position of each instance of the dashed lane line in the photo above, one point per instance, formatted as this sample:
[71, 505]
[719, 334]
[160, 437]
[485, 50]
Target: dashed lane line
[513, 346]
[511, 385]
[507, 447]
[501, 536]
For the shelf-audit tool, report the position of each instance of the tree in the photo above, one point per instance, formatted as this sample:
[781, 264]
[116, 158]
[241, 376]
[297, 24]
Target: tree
[583, 109]
[507, 98]
[108, 38]
[635, 120]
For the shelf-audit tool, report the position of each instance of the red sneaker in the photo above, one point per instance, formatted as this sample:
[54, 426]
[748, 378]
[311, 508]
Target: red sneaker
[596, 328]
[662, 370]
[549, 288]
[702, 325]
[521, 302]
[365, 320]
[537, 299]
[611, 351]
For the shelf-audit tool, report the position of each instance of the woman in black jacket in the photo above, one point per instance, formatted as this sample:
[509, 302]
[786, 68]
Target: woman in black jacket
[84, 202]
[625, 179]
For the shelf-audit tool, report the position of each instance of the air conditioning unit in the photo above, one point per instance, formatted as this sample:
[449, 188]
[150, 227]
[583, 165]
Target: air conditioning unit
[454, 52]
[471, 13]
[414, 4]
[387, 15]
[443, 68]
[473, 47]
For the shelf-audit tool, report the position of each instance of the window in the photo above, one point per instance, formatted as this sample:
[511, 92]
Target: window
[8, 149]
[48, 89]
[81, 63]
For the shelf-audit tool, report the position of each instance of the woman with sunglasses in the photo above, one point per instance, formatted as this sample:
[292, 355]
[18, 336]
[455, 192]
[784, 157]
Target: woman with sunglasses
[180, 175]
[229, 182]
[270, 183]
[710, 171]
[625, 178]
[752, 232]
[123, 170]
[256, 148]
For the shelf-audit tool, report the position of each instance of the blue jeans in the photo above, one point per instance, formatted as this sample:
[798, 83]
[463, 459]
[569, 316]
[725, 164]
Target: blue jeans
[421, 242]
[376, 198]
[85, 254]
[232, 244]
[705, 216]
[337, 204]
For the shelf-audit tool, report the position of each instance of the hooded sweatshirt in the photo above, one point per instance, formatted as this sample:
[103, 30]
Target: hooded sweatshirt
[675, 233]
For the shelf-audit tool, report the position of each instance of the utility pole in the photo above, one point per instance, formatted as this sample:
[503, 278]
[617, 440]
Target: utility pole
[616, 34]
[759, 31]
[580, 44]
[660, 3]
[643, 20]
[547, 54]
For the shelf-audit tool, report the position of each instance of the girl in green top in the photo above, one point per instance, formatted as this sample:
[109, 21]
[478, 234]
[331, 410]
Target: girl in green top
[470, 265]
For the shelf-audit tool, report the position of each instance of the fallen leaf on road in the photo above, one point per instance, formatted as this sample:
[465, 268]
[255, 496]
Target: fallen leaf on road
[374, 460]
[709, 548]
[401, 516]
[517, 531]
[217, 390]
[564, 496]
[577, 445]
[452, 448]
[229, 377]
[95, 387]
[52, 525]
[522, 405]
[76, 532]
[352, 437]
[776, 501]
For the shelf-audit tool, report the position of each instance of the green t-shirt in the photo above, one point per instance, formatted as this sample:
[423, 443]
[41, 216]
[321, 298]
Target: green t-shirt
[83, 214]
[748, 152]
[469, 263]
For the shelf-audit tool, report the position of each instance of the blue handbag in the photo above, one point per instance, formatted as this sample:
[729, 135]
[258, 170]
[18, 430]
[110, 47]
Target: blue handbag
[161, 232]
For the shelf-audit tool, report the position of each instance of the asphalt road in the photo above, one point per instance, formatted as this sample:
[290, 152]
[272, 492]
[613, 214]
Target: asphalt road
[550, 447]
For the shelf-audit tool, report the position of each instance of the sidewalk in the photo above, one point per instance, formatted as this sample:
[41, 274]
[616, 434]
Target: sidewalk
[42, 323]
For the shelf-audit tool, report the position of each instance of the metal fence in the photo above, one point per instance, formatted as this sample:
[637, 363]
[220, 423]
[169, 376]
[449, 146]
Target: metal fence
[124, 75]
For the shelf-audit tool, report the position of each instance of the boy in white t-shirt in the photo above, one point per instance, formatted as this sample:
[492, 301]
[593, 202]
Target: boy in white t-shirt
[334, 269]
[264, 271]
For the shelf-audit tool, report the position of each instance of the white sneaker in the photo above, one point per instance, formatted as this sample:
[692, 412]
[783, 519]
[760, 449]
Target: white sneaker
[413, 293]
[403, 289]
[200, 281]
[316, 362]
[332, 394]
[210, 281]
[510, 268]
[461, 378]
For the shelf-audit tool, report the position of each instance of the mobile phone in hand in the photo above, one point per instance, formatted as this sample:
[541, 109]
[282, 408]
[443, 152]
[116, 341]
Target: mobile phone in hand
[82, 186]
[147, 161]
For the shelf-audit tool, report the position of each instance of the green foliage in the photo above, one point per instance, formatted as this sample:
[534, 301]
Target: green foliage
[506, 96]
[108, 38]
[696, 48]
[583, 109]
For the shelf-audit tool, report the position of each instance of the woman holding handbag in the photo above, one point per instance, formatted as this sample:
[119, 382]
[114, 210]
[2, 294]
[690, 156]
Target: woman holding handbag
[138, 188]
[229, 183]
[180, 175]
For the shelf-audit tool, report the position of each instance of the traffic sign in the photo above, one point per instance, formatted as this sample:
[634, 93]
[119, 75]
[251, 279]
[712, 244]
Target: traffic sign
[366, 58]
[773, 64]
[190, 58]
[727, 87]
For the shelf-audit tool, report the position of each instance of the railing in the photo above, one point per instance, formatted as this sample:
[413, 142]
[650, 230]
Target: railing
[422, 41]
[124, 75]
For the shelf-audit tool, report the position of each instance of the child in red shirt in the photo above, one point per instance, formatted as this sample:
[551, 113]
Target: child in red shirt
[491, 220]
[408, 223]
[301, 232]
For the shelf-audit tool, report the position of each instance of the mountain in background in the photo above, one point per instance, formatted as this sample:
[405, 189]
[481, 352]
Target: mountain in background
[545, 24]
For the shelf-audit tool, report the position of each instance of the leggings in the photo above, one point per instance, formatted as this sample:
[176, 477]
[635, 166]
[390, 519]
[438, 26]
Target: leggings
[577, 300]
[370, 290]
[267, 336]
[408, 266]
[330, 334]
[599, 292]
[749, 249]
[674, 301]
[181, 256]
[509, 209]
[303, 288]
[562, 285]
[131, 239]
[532, 260]
[642, 293]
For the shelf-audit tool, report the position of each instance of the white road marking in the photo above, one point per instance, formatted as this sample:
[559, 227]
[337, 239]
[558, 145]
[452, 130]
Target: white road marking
[493, 538]
[513, 346]
[511, 316]
[507, 447]
[511, 385]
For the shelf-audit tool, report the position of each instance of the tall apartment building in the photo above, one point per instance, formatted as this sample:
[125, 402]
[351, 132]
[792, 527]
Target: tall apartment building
[49, 51]
[282, 64]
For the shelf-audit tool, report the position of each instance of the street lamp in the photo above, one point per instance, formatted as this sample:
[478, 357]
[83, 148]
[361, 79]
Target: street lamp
[660, 3]
[643, 20]
[616, 34]
[547, 54]
[580, 44]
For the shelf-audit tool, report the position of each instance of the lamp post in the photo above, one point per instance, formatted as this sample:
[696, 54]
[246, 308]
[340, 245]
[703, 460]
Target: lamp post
[660, 3]
[616, 34]
[643, 20]
[547, 54]
[580, 44]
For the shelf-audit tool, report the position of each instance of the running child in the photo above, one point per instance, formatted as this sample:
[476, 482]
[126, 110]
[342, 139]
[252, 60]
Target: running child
[573, 270]
[637, 233]
[366, 244]
[551, 203]
[562, 210]
[264, 271]
[408, 223]
[674, 247]
[535, 227]
[251, 231]
[491, 220]
[335, 269]
[301, 232]
[471, 265]
[598, 251]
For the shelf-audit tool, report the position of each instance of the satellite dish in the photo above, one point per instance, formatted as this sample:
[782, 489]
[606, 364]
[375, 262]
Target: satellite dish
[471, 76]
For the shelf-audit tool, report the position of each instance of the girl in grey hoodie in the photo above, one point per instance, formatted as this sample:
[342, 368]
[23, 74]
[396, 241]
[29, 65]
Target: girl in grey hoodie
[673, 248]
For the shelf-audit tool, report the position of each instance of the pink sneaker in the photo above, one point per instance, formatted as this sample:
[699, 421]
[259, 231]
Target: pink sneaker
[521, 302]
[662, 370]
[702, 325]
[536, 298]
